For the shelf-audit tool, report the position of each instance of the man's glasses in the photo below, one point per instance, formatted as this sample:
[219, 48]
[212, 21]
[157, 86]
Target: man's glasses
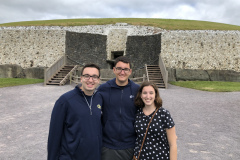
[87, 77]
[119, 69]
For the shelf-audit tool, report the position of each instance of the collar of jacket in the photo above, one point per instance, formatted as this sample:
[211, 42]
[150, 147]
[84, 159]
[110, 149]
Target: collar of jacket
[113, 83]
[80, 91]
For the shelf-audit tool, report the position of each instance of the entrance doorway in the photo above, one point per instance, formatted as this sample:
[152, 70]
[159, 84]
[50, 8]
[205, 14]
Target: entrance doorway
[114, 55]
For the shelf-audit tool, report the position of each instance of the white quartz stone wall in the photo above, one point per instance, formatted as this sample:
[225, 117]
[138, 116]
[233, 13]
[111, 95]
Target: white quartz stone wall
[31, 48]
[205, 50]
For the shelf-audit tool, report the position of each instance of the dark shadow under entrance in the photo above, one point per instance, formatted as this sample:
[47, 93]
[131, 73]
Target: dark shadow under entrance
[114, 55]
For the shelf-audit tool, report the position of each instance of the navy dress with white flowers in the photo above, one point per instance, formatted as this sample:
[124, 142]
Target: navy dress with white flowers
[156, 144]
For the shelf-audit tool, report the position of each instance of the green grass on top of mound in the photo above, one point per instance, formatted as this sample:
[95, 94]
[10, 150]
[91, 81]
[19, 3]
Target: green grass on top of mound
[168, 24]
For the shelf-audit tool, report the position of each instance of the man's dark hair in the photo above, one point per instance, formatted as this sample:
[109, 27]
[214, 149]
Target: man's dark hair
[91, 65]
[122, 59]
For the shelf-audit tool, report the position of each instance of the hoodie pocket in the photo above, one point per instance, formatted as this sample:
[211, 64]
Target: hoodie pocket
[111, 130]
[128, 132]
[80, 149]
[89, 148]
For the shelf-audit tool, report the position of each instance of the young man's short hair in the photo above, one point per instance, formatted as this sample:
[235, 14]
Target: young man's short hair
[122, 59]
[91, 65]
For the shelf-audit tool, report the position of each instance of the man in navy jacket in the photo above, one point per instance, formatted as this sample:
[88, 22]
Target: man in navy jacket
[119, 113]
[75, 131]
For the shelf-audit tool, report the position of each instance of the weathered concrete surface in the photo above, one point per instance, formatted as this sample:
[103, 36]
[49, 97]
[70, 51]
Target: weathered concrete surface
[207, 123]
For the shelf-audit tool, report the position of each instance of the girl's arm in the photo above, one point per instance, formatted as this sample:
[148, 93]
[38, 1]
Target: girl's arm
[172, 140]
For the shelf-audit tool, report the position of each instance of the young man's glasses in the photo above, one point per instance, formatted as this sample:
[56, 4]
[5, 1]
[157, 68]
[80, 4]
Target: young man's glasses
[87, 77]
[119, 69]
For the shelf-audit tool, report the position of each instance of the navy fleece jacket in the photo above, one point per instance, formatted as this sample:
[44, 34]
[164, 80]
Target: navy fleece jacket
[75, 133]
[118, 114]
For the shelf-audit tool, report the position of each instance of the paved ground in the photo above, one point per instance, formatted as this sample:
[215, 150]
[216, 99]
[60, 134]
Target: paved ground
[208, 124]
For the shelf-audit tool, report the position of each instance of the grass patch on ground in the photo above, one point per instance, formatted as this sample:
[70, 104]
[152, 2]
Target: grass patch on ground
[212, 86]
[168, 24]
[8, 82]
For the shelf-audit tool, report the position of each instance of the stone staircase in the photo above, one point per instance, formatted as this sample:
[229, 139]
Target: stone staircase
[62, 76]
[154, 75]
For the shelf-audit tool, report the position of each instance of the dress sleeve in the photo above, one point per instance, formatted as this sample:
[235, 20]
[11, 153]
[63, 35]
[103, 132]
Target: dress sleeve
[167, 119]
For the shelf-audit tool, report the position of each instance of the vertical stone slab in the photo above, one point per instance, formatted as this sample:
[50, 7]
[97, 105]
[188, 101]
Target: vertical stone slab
[83, 48]
[143, 50]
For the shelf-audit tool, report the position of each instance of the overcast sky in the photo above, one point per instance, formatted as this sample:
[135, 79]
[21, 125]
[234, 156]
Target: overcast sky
[223, 11]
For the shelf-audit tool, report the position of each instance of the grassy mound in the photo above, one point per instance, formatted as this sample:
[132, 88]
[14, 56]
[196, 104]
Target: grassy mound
[168, 24]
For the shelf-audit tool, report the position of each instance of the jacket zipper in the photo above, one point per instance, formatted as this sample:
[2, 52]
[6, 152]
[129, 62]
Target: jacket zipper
[89, 105]
[121, 105]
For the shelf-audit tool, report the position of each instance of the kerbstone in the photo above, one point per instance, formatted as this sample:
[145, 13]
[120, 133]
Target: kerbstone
[187, 74]
[226, 75]
[10, 71]
[34, 72]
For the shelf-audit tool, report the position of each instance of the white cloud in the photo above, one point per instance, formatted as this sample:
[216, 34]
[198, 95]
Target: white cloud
[224, 11]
